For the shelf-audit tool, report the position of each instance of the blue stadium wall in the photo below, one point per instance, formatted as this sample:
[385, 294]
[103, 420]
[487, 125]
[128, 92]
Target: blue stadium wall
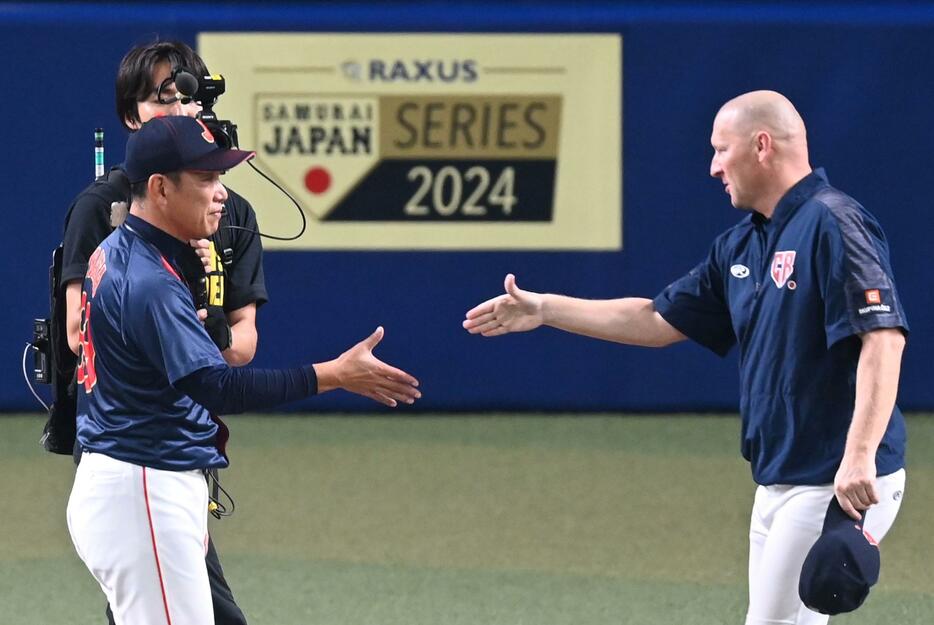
[860, 75]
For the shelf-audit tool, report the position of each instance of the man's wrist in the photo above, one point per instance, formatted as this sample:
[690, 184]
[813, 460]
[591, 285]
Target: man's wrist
[327, 375]
[547, 309]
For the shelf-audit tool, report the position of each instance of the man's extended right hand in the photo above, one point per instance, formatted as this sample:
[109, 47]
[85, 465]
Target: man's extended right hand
[357, 370]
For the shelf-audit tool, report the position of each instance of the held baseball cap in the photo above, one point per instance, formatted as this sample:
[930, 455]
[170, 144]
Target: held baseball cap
[841, 566]
[175, 143]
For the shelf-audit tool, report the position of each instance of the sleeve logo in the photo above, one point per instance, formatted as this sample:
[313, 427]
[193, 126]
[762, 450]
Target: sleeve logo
[874, 299]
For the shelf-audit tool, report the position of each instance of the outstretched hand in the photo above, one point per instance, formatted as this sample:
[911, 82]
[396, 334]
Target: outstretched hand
[357, 370]
[514, 311]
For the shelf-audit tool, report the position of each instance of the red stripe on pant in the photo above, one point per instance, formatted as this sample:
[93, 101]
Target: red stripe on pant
[155, 550]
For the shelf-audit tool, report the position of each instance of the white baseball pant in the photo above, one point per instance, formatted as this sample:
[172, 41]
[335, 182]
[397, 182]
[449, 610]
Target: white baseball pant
[786, 522]
[143, 533]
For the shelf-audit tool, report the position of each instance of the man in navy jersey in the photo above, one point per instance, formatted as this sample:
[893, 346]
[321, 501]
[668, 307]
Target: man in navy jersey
[233, 255]
[153, 384]
[803, 285]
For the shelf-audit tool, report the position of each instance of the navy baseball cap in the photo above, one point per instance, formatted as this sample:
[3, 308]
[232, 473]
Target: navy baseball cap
[842, 565]
[176, 143]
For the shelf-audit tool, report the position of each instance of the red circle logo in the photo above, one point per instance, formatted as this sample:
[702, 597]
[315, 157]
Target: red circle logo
[317, 180]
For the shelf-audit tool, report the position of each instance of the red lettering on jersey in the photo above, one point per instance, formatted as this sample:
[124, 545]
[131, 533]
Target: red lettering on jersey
[87, 373]
[783, 264]
[206, 135]
[97, 267]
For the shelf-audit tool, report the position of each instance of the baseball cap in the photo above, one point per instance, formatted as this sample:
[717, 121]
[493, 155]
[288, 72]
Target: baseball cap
[841, 566]
[176, 143]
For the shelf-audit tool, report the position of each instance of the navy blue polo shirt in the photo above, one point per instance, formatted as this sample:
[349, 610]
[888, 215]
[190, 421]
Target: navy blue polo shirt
[140, 334]
[794, 292]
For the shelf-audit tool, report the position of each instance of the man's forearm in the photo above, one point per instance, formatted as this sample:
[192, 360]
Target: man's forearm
[73, 315]
[877, 375]
[226, 390]
[242, 344]
[243, 336]
[631, 320]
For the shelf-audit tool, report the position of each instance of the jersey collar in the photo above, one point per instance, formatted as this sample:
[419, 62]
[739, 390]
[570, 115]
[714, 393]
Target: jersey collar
[793, 198]
[170, 247]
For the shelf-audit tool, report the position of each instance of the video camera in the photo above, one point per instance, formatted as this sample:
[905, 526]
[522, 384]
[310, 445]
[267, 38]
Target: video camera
[205, 90]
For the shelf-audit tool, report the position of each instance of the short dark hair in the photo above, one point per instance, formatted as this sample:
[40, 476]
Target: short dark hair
[138, 190]
[134, 77]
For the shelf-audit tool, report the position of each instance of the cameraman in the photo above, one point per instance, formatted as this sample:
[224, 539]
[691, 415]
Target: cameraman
[232, 258]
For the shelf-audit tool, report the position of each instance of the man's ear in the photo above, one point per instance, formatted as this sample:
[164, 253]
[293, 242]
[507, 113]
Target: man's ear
[155, 188]
[763, 144]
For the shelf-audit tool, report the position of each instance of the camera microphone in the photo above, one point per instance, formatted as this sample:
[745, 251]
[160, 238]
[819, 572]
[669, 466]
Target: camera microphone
[186, 84]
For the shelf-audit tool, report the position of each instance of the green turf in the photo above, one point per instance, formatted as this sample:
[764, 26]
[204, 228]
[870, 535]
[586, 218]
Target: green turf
[476, 520]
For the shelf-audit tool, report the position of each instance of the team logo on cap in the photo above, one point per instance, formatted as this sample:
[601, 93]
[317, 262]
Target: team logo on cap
[783, 264]
[206, 135]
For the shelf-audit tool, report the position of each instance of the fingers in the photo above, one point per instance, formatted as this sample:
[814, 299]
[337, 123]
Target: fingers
[390, 393]
[848, 507]
[482, 309]
[501, 330]
[398, 392]
[202, 314]
[487, 328]
[397, 375]
[472, 325]
[200, 244]
[865, 496]
[380, 398]
[857, 497]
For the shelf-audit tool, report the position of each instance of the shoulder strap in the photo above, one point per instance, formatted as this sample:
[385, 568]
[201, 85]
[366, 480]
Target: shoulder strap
[116, 177]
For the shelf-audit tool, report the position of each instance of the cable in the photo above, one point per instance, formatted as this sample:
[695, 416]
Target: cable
[294, 201]
[26, 377]
[215, 507]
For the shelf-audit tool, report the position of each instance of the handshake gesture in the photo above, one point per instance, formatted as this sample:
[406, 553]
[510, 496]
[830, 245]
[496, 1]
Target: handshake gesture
[514, 311]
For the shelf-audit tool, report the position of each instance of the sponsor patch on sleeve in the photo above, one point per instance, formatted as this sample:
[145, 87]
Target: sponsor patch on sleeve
[873, 301]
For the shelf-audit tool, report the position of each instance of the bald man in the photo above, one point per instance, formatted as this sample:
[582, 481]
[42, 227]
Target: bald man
[803, 285]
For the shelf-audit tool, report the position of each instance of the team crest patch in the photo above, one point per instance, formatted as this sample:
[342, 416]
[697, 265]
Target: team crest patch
[783, 264]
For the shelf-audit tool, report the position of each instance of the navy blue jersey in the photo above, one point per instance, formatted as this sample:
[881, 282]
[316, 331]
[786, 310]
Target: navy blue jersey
[140, 334]
[795, 291]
